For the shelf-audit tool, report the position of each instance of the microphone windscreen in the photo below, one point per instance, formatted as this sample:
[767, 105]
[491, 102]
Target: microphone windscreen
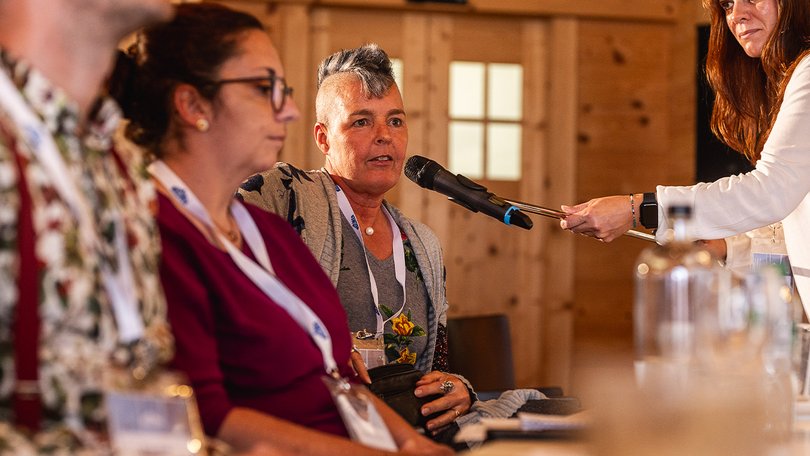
[413, 165]
[422, 171]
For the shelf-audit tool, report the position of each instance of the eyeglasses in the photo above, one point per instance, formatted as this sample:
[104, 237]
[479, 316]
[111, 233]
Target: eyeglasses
[277, 91]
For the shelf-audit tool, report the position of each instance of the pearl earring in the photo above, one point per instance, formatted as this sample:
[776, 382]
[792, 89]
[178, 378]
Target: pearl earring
[202, 125]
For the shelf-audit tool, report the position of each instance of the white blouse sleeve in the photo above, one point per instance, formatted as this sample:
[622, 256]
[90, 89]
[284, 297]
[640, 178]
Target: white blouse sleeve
[767, 194]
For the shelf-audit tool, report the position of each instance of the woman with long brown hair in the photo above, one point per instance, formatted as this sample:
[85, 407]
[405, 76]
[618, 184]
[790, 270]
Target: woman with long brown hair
[762, 110]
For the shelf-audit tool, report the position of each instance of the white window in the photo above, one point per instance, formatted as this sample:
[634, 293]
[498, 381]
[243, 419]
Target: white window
[397, 67]
[486, 110]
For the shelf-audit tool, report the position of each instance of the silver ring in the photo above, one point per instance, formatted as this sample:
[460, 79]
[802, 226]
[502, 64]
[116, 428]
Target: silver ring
[458, 414]
[447, 386]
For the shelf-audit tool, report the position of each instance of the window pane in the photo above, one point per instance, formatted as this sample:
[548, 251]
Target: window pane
[505, 97]
[398, 68]
[467, 90]
[466, 149]
[503, 151]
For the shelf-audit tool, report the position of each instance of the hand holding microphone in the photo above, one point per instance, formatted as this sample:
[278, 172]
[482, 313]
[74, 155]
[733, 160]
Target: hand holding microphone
[430, 175]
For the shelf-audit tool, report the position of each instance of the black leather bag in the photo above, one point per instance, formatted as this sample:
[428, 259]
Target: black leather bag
[394, 384]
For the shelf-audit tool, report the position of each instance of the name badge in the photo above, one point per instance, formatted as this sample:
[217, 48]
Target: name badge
[360, 416]
[371, 348]
[772, 251]
[156, 417]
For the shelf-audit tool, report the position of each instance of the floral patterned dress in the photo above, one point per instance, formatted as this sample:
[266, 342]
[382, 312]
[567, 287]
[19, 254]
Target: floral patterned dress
[78, 337]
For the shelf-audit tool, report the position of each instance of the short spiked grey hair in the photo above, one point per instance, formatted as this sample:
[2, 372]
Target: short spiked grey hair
[369, 62]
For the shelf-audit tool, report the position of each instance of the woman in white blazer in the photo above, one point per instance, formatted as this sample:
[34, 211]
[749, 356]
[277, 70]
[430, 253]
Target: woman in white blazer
[762, 109]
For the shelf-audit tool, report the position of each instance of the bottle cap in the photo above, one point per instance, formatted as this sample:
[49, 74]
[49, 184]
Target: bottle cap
[682, 210]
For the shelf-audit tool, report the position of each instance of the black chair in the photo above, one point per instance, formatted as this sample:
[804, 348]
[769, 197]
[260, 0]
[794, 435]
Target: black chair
[480, 349]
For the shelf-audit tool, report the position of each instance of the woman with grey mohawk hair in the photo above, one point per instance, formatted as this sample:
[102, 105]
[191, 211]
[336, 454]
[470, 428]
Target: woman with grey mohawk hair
[369, 62]
[387, 268]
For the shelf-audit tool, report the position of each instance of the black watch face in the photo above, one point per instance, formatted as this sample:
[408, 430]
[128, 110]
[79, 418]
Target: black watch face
[649, 215]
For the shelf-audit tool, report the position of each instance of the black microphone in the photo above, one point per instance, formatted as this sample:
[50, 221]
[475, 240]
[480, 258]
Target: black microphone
[430, 175]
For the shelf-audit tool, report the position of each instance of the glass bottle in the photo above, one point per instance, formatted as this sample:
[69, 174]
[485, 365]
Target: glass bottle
[779, 398]
[671, 280]
[711, 348]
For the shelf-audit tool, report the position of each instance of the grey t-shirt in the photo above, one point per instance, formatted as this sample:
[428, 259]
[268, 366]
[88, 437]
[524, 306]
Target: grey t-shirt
[355, 293]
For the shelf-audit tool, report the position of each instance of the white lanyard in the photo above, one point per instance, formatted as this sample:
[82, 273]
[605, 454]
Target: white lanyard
[120, 285]
[260, 274]
[399, 256]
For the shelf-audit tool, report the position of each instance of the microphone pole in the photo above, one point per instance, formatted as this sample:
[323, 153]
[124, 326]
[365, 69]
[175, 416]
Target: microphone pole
[546, 212]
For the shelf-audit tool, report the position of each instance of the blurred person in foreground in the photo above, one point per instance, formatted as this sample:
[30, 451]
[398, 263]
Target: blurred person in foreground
[758, 64]
[75, 227]
[259, 328]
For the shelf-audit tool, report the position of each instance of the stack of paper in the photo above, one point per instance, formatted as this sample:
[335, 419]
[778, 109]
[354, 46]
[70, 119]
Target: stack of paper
[524, 422]
[535, 422]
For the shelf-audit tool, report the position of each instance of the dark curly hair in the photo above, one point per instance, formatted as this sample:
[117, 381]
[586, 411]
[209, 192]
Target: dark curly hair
[190, 49]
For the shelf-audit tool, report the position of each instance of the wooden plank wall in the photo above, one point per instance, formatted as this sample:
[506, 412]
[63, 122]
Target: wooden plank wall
[612, 110]
[559, 296]
[636, 129]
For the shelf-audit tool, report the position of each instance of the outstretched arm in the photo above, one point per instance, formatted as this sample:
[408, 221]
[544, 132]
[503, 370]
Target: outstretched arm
[604, 218]
[245, 429]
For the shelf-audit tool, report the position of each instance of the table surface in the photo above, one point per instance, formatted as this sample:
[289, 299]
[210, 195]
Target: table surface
[799, 445]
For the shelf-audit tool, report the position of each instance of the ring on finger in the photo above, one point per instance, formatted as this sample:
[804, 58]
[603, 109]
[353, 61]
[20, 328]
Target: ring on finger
[446, 387]
[455, 410]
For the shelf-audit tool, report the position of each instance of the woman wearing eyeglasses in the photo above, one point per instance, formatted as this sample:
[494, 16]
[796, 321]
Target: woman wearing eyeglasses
[258, 325]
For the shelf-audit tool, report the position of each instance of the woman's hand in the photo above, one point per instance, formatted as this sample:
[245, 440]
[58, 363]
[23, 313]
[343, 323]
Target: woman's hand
[455, 399]
[356, 361]
[423, 446]
[603, 218]
[717, 247]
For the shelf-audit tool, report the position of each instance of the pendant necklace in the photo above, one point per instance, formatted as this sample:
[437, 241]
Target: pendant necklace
[232, 233]
[232, 236]
[370, 229]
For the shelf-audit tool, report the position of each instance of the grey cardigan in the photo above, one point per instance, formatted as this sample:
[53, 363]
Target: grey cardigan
[310, 196]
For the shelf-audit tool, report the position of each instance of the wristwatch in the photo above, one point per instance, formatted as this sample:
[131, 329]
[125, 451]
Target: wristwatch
[648, 212]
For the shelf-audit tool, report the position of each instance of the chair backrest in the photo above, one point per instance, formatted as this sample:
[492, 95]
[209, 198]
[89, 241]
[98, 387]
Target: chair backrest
[480, 349]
